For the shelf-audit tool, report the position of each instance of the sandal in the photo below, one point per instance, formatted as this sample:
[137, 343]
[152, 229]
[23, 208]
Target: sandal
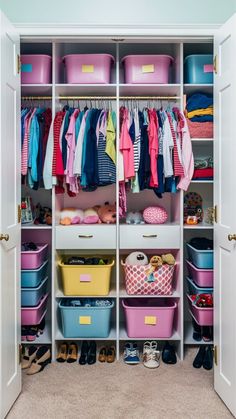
[62, 352]
[102, 357]
[111, 354]
[72, 353]
[42, 358]
[29, 356]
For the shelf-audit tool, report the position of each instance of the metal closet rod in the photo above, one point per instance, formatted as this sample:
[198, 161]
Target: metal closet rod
[101, 97]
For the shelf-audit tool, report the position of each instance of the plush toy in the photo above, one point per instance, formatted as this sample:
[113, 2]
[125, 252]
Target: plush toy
[168, 258]
[155, 215]
[106, 213]
[156, 261]
[134, 217]
[71, 216]
[90, 216]
[193, 210]
[136, 258]
[43, 215]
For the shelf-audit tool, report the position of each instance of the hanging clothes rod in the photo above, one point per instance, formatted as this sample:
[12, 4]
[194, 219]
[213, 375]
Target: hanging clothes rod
[101, 97]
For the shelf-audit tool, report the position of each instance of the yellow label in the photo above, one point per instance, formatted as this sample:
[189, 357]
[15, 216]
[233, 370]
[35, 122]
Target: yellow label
[85, 320]
[149, 68]
[87, 68]
[150, 320]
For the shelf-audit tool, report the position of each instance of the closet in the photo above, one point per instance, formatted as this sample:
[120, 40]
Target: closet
[116, 241]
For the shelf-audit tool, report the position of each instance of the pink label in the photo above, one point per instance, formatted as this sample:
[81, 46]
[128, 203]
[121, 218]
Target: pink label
[85, 278]
[208, 68]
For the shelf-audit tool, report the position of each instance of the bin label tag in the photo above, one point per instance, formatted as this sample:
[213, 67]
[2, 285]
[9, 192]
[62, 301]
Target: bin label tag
[26, 68]
[208, 68]
[152, 320]
[87, 68]
[85, 278]
[148, 68]
[85, 320]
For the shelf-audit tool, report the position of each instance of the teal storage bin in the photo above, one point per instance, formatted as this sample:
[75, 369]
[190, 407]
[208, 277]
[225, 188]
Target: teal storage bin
[202, 259]
[30, 297]
[194, 289]
[32, 278]
[198, 69]
[85, 322]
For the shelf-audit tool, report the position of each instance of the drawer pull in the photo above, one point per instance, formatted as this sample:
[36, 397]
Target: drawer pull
[85, 236]
[149, 236]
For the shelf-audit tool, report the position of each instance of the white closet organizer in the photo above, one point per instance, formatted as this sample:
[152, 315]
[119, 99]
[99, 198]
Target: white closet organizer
[118, 240]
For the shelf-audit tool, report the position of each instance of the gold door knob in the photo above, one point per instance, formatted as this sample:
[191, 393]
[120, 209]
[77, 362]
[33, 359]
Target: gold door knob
[4, 237]
[231, 237]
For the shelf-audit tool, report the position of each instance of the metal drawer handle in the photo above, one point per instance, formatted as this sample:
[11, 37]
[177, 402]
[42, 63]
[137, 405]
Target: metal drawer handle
[85, 236]
[148, 236]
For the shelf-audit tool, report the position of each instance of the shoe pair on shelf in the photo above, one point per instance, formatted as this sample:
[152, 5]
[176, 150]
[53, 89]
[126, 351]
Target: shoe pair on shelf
[35, 359]
[202, 332]
[31, 333]
[67, 352]
[151, 356]
[204, 358]
[107, 354]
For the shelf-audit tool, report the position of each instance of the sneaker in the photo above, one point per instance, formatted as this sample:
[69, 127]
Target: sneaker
[131, 353]
[151, 356]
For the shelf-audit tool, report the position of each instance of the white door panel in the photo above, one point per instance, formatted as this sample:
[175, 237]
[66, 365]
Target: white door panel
[10, 153]
[225, 199]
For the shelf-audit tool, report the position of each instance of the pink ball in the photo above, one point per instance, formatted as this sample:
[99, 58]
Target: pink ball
[155, 215]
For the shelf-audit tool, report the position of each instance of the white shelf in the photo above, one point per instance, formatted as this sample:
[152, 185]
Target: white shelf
[123, 294]
[35, 227]
[202, 181]
[111, 336]
[202, 140]
[192, 88]
[199, 226]
[85, 90]
[44, 339]
[188, 336]
[112, 294]
[36, 89]
[124, 336]
[149, 89]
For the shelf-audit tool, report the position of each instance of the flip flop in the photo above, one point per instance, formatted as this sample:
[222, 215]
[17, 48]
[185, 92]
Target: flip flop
[168, 354]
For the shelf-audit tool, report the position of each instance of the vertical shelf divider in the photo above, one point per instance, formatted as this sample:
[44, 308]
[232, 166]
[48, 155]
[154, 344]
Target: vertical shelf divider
[117, 203]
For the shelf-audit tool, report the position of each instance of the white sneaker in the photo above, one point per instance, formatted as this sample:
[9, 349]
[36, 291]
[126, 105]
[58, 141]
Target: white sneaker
[151, 356]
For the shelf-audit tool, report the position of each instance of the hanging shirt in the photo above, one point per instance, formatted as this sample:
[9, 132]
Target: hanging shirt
[106, 166]
[77, 168]
[126, 147]
[47, 170]
[168, 145]
[70, 138]
[110, 138]
[187, 156]
[178, 168]
[153, 146]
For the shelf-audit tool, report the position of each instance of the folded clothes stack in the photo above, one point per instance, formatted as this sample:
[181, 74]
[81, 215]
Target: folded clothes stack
[203, 169]
[199, 113]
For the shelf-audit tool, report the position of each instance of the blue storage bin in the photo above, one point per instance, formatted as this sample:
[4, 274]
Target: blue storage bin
[30, 297]
[198, 69]
[202, 259]
[195, 289]
[85, 322]
[31, 279]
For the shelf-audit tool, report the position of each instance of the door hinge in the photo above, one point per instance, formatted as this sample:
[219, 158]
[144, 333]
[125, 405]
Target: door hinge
[215, 354]
[20, 353]
[215, 213]
[19, 213]
[18, 64]
[215, 64]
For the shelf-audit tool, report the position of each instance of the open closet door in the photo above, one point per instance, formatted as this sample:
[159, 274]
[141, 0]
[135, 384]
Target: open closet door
[10, 187]
[225, 226]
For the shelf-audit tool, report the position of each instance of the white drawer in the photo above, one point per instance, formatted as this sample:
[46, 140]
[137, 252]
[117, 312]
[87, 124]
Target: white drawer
[149, 237]
[97, 236]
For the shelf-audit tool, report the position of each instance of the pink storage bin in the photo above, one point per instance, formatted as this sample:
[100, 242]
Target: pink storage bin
[88, 68]
[34, 259]
[36, 69]
[203, 316]
[147, 68]
[201, 277]
[34, 315]
[149, 318]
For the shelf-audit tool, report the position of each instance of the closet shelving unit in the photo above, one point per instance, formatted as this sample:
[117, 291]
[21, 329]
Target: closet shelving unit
[120, 239]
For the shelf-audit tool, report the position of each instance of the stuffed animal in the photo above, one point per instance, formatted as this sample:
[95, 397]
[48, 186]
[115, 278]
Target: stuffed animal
[156, 261]
[168, 258]
[90, 216]
[134, 217]
[136, 258]
[106, 213]
[70, 216]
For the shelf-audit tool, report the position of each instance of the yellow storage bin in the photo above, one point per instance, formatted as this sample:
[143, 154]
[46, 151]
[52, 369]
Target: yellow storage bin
[90, 280]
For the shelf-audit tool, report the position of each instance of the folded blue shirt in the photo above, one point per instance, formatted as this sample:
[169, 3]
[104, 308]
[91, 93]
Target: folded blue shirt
[198, 101]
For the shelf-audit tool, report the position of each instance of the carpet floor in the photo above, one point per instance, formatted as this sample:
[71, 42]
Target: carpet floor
[118, 391]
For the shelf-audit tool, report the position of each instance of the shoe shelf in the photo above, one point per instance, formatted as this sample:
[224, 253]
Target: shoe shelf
[44, 339]
[123, 294]
[111, 336]
[188, 336]
[112, 294]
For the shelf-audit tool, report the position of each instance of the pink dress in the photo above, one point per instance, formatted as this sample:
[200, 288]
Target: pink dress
[153, 146]
[127, 149]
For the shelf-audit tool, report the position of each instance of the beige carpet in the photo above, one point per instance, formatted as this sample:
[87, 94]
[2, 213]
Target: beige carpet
[119, 391]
